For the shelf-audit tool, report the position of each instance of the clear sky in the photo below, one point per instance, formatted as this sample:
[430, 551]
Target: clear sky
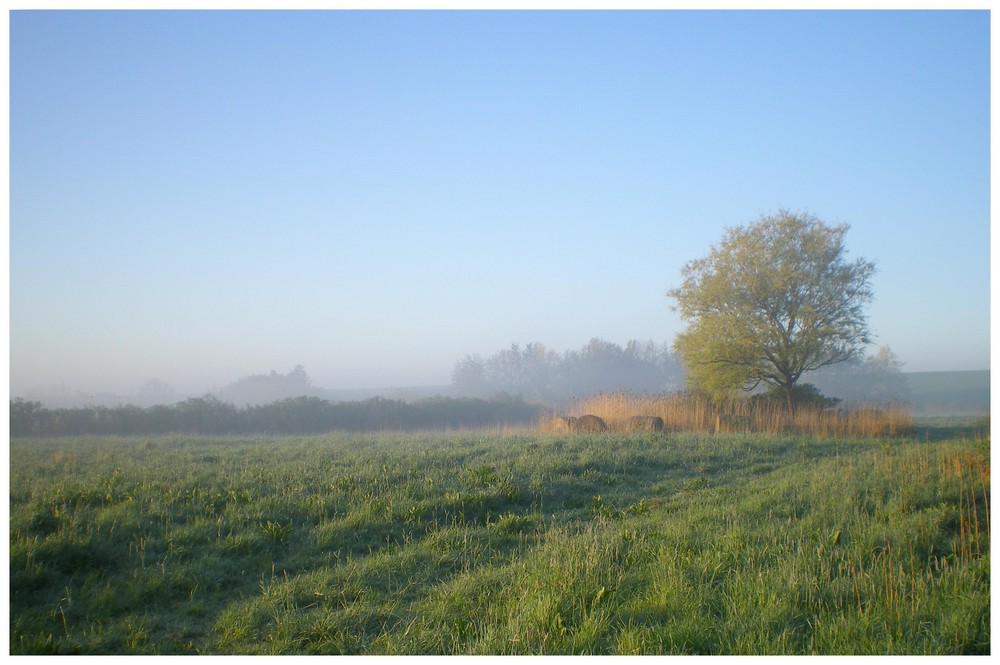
[200, 196]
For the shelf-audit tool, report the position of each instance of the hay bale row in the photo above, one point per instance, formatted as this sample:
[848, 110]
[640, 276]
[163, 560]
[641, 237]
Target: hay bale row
[589, 424]
[582, 425]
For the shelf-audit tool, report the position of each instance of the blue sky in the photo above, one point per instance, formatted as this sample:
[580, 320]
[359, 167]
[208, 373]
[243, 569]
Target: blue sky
[199, 196]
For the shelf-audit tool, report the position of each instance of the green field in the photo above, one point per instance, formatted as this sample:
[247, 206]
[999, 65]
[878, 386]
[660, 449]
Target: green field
[500, 543]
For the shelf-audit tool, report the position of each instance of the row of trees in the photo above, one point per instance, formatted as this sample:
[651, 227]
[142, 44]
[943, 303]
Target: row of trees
[774, 305]
[298, 415]
[542, 375]
[538, 374]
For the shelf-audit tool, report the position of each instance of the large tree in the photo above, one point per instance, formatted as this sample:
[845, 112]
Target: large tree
[773, 300]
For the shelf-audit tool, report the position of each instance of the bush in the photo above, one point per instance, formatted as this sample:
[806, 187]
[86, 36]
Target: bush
[805, 394]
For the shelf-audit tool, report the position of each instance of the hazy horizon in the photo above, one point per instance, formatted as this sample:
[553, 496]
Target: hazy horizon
[156, 391]
[196, 197]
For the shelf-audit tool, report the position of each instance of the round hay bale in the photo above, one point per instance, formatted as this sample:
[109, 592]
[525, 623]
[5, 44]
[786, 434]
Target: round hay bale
[560, 425]
[645, 424]
[588, 424]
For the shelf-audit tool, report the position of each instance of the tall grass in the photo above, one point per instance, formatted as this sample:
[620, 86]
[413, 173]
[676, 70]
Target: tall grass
[689, 412]
[489, 543]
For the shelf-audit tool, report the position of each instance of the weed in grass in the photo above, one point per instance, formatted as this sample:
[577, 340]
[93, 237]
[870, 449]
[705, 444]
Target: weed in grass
[277, 532]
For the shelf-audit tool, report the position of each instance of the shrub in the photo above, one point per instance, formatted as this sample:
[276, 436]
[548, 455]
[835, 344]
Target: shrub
[803, 395]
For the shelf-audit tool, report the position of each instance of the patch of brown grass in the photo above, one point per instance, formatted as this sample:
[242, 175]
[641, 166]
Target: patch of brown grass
[685, 412]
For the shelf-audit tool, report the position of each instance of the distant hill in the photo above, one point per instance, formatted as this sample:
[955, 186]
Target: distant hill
[948, 393]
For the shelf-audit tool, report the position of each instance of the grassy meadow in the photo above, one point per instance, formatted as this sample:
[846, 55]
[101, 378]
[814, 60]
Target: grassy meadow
[500, 542]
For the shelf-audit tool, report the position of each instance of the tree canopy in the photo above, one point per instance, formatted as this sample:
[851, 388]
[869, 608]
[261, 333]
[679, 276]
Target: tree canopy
[773, 300]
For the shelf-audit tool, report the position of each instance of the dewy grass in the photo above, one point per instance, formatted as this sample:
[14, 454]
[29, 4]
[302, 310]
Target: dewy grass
[500, 543]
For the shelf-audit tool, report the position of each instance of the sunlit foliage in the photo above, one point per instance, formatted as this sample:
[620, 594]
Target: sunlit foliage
[773, 300]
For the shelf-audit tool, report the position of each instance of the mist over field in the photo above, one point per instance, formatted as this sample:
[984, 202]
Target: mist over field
[542, 376]
[202, 202]
[445, 332]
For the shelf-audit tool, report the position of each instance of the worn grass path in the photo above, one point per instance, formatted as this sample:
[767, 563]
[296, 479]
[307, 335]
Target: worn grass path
[488, 543]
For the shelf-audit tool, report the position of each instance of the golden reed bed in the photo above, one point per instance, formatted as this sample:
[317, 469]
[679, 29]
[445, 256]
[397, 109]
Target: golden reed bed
[683, 412]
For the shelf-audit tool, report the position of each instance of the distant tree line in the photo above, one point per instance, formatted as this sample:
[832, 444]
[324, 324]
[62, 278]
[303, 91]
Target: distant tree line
[874, 378]
[539, 374]
[298, 415]
[260, 389]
